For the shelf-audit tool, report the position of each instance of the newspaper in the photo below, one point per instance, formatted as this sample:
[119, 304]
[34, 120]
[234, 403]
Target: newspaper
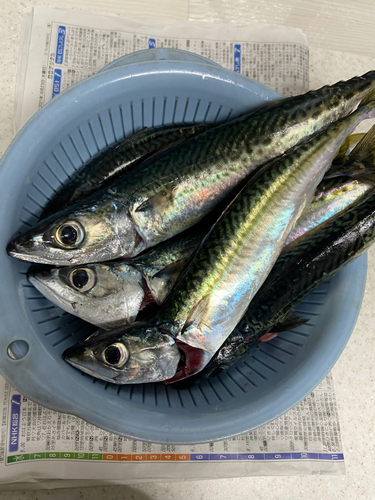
[306, 440]
[66, 46]
[43, 448]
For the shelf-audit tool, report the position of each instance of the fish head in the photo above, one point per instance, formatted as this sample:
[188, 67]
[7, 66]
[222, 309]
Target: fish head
[106, 295]
[139, 354]
[87, 233]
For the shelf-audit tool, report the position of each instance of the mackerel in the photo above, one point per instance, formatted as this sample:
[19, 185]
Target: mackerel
[230, 266]
[101, 171]
[304, 265]
[170, 193]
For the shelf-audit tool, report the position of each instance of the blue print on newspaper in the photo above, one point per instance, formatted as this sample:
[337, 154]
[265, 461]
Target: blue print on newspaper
[61, 34]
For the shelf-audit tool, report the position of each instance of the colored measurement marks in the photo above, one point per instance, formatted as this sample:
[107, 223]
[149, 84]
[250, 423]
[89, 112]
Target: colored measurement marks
[172, 457]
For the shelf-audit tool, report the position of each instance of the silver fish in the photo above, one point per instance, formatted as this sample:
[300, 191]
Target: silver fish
[234, 259]
[111, 294]
[150, 355]
[337, 194]
[127, 155]
[171, 193]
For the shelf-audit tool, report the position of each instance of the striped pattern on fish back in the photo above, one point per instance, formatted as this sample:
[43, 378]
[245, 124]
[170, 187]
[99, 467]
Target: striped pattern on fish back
[118, 161]
[219, 255]
[253, 139]
[177, 248]
[307, 263]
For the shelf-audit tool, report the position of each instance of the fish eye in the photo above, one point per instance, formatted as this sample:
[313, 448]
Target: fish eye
[115, 355]
[82, 279]
[69, 234]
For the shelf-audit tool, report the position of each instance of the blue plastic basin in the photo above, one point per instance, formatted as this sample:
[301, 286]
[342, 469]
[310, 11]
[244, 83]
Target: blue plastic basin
[150, 88]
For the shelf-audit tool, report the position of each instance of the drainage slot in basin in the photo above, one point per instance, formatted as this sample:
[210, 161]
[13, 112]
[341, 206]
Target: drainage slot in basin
[18, 349]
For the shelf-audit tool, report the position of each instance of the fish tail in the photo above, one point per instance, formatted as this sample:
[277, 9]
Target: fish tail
[350, 143]
[360, 164]
[369, 98]
[365, 150]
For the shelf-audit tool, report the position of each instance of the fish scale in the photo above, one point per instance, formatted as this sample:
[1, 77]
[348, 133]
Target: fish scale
[101, 171]
[340, 242]
[161, 265]
[243, 132]
[227, 235]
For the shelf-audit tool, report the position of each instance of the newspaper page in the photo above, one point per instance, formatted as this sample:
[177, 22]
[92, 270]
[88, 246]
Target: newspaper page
[66, 46]
[39, 445]
[43, 448]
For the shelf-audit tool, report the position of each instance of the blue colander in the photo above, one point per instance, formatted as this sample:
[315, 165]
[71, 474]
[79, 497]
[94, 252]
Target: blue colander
[149, 88]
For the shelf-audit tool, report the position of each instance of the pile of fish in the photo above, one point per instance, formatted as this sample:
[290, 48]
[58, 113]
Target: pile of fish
[187, 246]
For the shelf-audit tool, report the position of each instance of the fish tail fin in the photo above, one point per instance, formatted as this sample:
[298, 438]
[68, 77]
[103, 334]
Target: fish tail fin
[368, 99]
[360, 164]
[364, 151]
[351, 141]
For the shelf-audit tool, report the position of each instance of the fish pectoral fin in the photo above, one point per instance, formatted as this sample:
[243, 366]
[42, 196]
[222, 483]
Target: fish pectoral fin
[288, 322]
[162, 281]
[195, 319]
[173, 269]
[159, 202]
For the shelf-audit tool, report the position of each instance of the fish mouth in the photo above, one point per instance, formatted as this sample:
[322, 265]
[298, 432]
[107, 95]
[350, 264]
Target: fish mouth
[23, 250]
[43, 281]
[78, 357]
[38, 275]
[192, 361]
[39, 284]
[14, 251]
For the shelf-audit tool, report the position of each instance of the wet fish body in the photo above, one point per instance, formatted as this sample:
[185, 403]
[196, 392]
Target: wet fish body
[236, 257]
[332, 198]
[111, 294]
[336, 195]
[306, 263]
[98, 173]
[165, 196]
